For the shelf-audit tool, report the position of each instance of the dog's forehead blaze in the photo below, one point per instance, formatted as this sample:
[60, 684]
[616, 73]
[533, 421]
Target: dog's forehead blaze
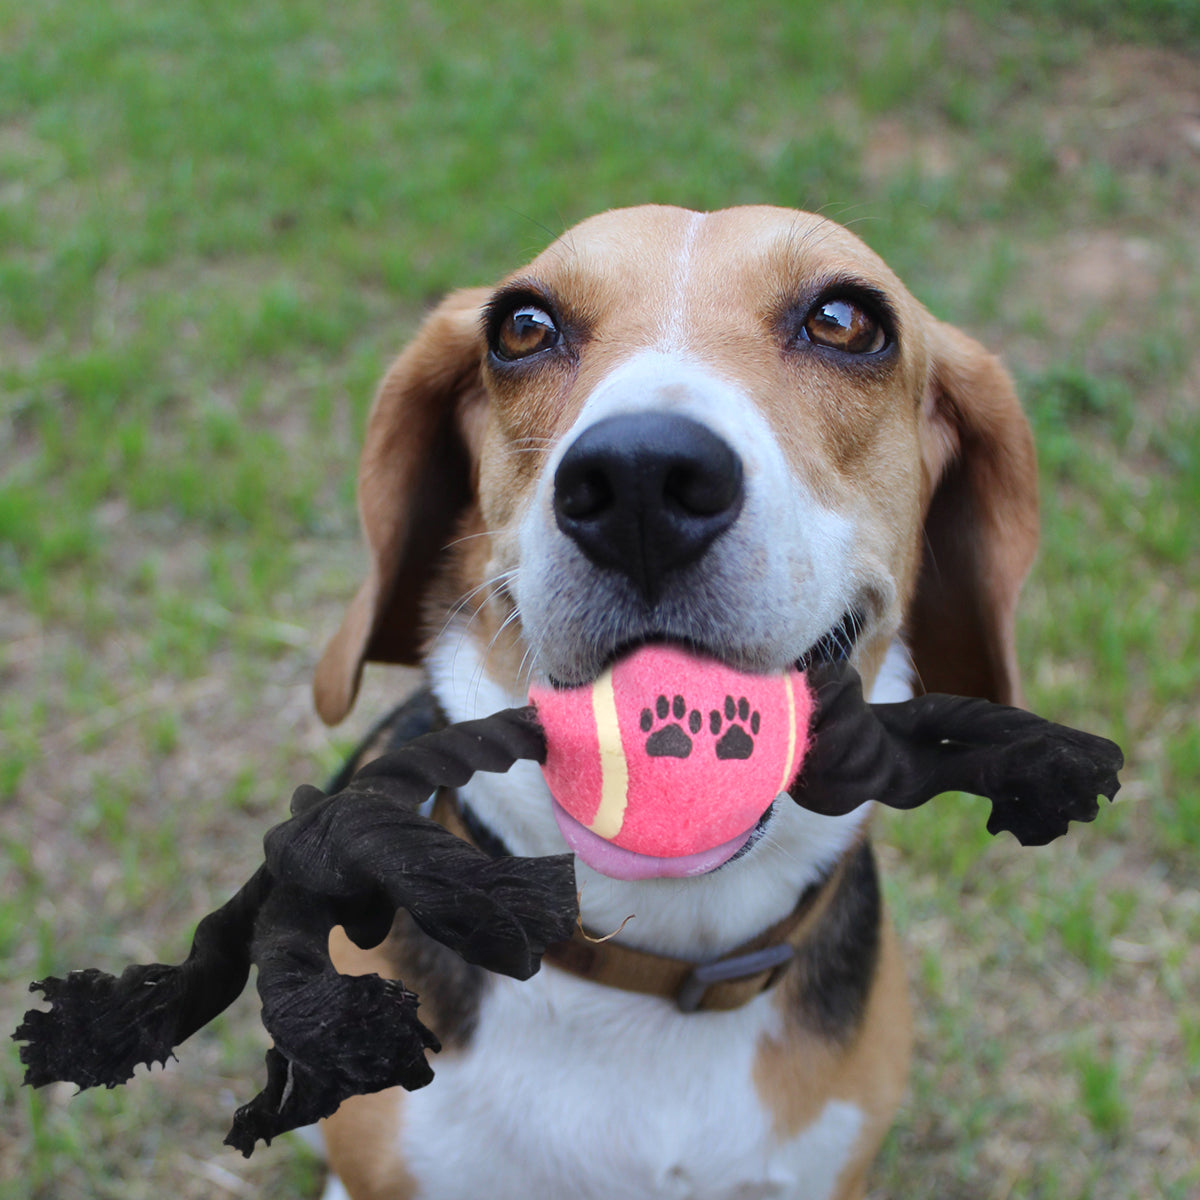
[712, 287]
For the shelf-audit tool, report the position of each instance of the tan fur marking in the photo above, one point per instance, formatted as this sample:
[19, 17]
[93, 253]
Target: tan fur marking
[797, 1075]
[353, 960]
[361, 1140]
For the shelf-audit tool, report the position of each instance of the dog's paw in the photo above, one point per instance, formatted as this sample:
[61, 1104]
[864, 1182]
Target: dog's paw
[735, 742]
[670, 740]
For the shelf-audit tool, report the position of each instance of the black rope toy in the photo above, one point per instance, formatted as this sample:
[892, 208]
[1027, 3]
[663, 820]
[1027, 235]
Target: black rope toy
[355, 857]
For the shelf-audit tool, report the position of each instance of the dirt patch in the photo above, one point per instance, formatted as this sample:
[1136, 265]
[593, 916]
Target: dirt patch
[1102, 267]
[1132, 110]
[1102, 281]
[1141, 105]
[891, 148]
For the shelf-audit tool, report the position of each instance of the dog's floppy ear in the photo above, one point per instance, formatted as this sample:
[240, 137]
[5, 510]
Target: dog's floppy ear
[981, 524]
[414, 480]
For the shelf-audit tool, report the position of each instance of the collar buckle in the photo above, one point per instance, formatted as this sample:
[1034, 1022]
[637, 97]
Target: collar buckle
[769, 961]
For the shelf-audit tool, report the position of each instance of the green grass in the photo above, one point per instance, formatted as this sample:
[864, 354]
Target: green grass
[218, 223]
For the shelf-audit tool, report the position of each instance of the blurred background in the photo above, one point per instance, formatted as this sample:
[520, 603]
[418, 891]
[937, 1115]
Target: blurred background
[219, 221]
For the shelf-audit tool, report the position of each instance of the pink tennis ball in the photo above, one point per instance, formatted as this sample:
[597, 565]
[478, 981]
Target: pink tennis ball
[670, 754]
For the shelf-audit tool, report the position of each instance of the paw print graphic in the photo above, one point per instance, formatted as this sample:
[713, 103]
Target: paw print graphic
[735, 742]
[670, 740]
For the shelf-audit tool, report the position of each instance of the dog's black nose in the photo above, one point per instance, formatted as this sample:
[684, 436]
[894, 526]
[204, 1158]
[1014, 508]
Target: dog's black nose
[646, 494]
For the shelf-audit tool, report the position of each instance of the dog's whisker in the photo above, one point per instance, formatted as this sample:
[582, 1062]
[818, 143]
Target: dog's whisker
[467, 597]
[534, 222]
[512, 616]
[847, 639]
[525, 677]
[769, 839]
[500, 579]
[865, 219]
[467, 537]
[503, 625]
[477, 676]
[835, 210]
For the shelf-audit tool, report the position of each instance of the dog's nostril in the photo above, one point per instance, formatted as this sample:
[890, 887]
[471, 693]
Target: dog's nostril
[707, 490]
[584, 495]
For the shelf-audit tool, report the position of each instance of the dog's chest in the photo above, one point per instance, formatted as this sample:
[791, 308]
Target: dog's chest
[570, 1088]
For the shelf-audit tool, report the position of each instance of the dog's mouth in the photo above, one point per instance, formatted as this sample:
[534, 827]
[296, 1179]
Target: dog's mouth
[835, 645]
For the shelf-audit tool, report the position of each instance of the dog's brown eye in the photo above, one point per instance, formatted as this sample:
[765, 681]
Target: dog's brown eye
[525, 331]
[844, 325]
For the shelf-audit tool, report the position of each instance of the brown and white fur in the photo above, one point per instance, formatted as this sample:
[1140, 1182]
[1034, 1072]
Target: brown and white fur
[897, 485]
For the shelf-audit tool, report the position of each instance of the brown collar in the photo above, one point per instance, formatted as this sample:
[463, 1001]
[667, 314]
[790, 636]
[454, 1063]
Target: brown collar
[723, 983]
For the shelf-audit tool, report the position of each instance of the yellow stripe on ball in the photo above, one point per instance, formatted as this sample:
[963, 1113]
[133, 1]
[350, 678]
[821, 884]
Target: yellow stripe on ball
[614, 770]
[790, 762]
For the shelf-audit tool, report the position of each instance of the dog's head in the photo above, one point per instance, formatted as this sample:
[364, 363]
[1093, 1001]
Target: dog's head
[734, 430]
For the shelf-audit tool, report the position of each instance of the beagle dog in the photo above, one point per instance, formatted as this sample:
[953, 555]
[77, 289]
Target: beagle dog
[738, 432]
